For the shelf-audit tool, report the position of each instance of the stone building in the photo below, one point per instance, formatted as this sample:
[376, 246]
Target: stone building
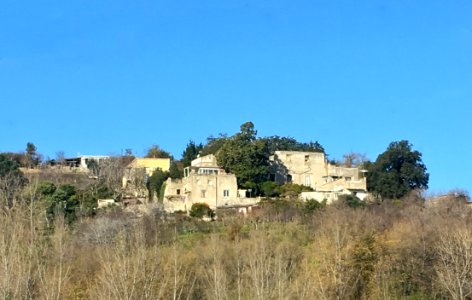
[313, 169]
[138, 171]
[203, 182]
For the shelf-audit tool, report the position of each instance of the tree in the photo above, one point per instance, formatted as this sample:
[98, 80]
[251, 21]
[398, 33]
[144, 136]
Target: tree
[353, 159]
[32, 157]
[190, 153]
[176, 170]
[277, 143]
[93, 166]
[11, 180]
[110, 172]
[246, 157]
[63, 201]
[60, 158]
[128, 152]
[214, 144]
[397, 171]
[156, 152]
[454, 264]
[156, 181]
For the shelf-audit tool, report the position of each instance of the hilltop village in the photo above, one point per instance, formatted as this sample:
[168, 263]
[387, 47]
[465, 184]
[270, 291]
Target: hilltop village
[228, 173]
[231, 173]
[239, 217]
[204, 181]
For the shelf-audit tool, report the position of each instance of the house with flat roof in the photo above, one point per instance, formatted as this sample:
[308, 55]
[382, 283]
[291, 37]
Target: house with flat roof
[203, 182]
[83, 162]
[313, 169]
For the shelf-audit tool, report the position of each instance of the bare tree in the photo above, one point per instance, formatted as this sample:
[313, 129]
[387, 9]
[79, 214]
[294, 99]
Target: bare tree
[213, 269]
[454, 267]
[60, 158]
[54, 271]
[10, 188]
[353, 159]
[111, 174]
[17, 280]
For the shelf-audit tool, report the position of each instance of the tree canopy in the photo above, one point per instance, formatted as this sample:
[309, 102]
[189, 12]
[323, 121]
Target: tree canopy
[190, 153]
[246, 157]
[32, 157]
[156, 181]
[156, 152]
[279, 143]
[397, 171]
[8, 166]
[214, 144]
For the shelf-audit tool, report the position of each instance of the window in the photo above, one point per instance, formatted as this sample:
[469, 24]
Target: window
[225, 193]
[348, 178]
[308, 180]
[207, 171]
[307, 158]
[289, 178]
[203, 194]
[272, 177]
[177, 191]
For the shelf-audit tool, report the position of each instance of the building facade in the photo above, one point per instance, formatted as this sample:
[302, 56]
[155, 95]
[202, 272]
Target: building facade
[313, 169]
[83, 162]
[137, 173]
[203, 182]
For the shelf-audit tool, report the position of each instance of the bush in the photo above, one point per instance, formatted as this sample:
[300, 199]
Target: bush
[200, 210]
[270, 189]
[351, 201]
[312, 205]
[292, 190]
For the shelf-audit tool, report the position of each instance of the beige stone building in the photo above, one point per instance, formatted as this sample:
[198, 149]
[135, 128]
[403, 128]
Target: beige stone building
[313, 169]
[136, 174]
[203, 182]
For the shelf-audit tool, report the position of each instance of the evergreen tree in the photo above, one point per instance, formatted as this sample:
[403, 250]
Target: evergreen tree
[397, 171]
[246, 157]
[190, 153]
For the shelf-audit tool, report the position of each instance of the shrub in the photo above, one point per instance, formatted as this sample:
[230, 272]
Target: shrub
[312, 205]
[200, 210]
[270, 189]
[351, 201]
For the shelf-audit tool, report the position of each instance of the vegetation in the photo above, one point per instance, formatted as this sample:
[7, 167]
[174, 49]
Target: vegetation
[246, 157]
[397, 171]
[176, 170]
[156, 152]
[32, 157]
[190, 153]
[351, 201]
[214, 144]
[156, 181]
[56, 244]
[284, 250]
[277, 143]
[200, 210]
[11, 180]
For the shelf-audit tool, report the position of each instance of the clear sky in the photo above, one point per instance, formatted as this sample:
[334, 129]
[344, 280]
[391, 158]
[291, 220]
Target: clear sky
[96, 77]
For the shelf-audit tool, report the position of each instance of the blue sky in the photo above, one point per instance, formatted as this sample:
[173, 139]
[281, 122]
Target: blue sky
[96, 77]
